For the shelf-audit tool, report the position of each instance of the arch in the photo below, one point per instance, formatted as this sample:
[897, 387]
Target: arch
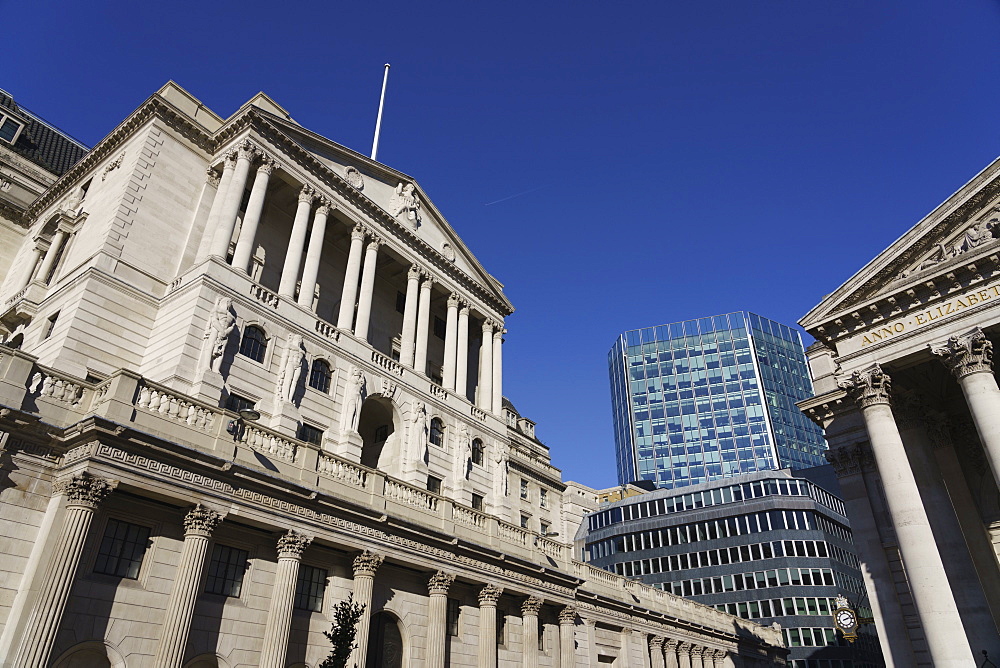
[437, 432]
[253, 343]
[90, 654]
[319, 375]
[380, 440]
[207, 661]
[388, 645]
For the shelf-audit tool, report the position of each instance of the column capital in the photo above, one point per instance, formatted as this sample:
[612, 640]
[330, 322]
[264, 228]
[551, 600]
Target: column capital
[499, 332]
[85, 490]
[684, 647]
[428, 281]
[464, 310]
[531, 606]
[323, 209]
[487, 326]
[656, 642]
[293, 544]
[489, 595]
[720, 656]
[367, 563]
[229, 156]
[307, 195]
[267, 165]
[212, 177]
[440, 582]
[869, 387]
[670, 645]
[374, 241]
[966, 354]
[358, 232]
[414, 273]
[246, 150]
[627, 630]
[454, 300]
[567, 615]
[201, 521]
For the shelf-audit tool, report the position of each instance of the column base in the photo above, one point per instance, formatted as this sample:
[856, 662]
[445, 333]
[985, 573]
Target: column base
[285, 417]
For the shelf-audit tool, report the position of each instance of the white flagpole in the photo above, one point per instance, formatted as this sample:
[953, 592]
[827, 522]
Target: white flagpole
[378, 121]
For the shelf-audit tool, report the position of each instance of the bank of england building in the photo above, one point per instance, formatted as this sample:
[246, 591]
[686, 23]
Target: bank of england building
[905, 389]
[247, 372]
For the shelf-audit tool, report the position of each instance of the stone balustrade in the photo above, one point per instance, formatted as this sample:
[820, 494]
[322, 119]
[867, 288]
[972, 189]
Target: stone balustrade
[264, 296]
[386, 363]
[51, 384]
[343, 471]
[158, 399]
[512, 533]
[469, 517]
[269, 442]
[410, 495]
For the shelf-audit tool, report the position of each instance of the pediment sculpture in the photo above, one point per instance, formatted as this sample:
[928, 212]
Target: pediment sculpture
[405, 200]
[976, 235]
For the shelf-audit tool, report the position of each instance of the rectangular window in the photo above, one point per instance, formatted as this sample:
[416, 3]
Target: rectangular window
[310, 588]
[454, 611]
[122, 549]
[440, 328]
[433, 484]
[236, 403]
[225, 571]
[524, 521]
[310, 434]
[9, 129]
[477, 502]
[543, 498]
[400, 302]
[543, 527]
[51, 325]
[524, 488]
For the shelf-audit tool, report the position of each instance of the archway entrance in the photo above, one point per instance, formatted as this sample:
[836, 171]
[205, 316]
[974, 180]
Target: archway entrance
[377, 429]
[385, 643]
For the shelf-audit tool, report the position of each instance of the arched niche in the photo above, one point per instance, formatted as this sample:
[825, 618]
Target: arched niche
[380, 438]
[92, 654]
[387, 647]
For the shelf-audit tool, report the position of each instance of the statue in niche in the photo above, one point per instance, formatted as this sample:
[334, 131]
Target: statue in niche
[353, 397]
[405, 199]
[418, 435]
[502, 461]
[463, 454]
[221, 324]
[291, 368]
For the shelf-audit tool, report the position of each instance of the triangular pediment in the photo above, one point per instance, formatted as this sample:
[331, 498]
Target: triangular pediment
[963, 228]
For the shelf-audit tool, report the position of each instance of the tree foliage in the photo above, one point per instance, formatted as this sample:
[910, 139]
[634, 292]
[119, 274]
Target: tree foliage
[346, 614]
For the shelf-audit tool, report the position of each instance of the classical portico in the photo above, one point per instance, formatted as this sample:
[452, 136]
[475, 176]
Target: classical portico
[907, 393]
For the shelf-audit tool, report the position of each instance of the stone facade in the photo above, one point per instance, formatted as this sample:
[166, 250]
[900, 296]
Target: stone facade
[903, 372]
[248, 388]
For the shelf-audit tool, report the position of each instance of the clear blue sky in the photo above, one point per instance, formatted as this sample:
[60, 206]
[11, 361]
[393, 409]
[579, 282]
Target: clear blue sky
[615, 165]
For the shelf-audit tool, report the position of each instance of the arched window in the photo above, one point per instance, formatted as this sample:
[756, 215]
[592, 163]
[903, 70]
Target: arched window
[319, 376]
[437, 432]
[478, 451]
[254, 343]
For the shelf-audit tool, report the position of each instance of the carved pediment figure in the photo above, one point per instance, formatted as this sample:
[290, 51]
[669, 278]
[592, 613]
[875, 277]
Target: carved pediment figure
[353, 397]
[291, 368]
[405, 199]
[353, 176]
[221, 324]
[975, 235]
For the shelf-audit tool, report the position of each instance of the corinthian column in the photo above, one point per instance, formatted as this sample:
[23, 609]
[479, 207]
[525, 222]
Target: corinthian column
[656, 651]
[296, 242]
[567, 637]
[345, 319]
[409, 316]
[462, 352]
[932, 594]
[228, 167]
[313, 255]
[529, 622]
[670, 654]
[423, 326]
[450, 342]
[231, 204]
[83, 494]
[625, 655]
[488, 598]
[486, 368]
[437, 618]
[970, 359]
[365, 565]
[52, 254]
[199, 524]
[279, 614]
[255, 206]
[367, 288]
[497, 400]
[684, 654]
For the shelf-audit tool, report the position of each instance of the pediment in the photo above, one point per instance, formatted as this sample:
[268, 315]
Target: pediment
[964, 228]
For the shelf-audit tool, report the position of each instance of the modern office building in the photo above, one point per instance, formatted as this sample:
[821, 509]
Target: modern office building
[705, 399]
[768, 546]
[247, 372]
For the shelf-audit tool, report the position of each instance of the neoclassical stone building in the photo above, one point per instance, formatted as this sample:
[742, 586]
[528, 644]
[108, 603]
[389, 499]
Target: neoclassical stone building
[903, 371]
[248, 372]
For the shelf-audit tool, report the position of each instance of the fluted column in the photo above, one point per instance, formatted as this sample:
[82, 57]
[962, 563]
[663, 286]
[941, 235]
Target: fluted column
[437, 618]
[423, 326]
[409, 333]
[314, 253]
[296, 242]
[231, 205]
[486, 368]
[218, 204]
[83, 494]
[199, 524]
[697, 657]
[365, 565]
[625, 655]
[251, 220]
[929, 586]
[656, 651]
[488, 597]
[684, 654]
[567, 637]
[451, 342]
[52, 254]
[970, 359]
[279, 614]
[367, 288]
[345, 319]
[670, 653]
[462, 352]
[497, 400]
[529, 623]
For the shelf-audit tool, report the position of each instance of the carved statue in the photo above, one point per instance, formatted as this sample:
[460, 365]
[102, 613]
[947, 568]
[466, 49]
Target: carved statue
[220, 325]
[405, 199]
[291, 368]
[463, 454]
[418, 435]
[353, 397]
[502, 461]
[975, 236]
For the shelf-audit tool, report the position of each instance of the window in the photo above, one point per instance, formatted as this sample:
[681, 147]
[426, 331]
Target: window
[433, 484]
[440, 328]
[122, 549]
[51, 325]
[310, 434]
[454, 611]
[437, 431]
[254, 343]
[400, 302]
[319, 376]
[524, 488]
[9, 128]
[477, 502]
[310, 588]
[225, 571]
[543, 528]
[543, 498]
[236, 403]
[524, 521]
[478, 451]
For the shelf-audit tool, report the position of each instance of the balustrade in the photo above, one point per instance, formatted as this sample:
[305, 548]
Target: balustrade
[57, 387]
[341, 470]
[263, 295]
[159, 400]
[269, 443]
[413, 496]
[386, 363]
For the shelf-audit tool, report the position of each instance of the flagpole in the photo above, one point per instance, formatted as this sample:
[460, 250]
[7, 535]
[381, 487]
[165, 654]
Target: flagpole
[378, 121]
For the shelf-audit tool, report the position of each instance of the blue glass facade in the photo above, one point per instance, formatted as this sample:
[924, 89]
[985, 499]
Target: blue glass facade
[705, 399]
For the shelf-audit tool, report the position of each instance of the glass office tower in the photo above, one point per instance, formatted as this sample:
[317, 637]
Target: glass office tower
[705, 399]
